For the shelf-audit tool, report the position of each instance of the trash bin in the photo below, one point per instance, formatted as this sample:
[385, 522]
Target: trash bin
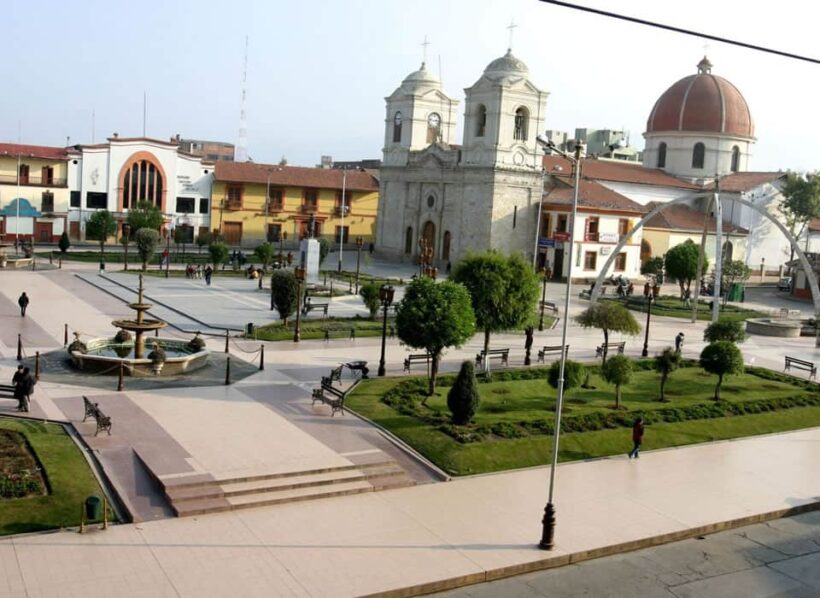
[93, 508]
[735, 292]
[249, 328]
[102, 266]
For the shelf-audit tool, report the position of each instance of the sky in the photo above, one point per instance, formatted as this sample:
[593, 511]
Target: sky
[319, 70]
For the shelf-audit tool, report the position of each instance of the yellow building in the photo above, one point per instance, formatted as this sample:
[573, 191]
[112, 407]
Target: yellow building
[252, 203]
[34, 192]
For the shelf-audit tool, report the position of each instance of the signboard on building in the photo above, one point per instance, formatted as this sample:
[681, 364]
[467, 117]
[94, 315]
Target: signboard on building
[561, 236]
[543, 242]
[607, 237]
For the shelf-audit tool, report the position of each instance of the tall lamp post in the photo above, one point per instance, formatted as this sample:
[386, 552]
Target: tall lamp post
[647, 292]
[359, 243]
[342, 225]
[126, 231]
[386, 293]
[168, 231]
[548, 521]
[543, 297]
[299, 272]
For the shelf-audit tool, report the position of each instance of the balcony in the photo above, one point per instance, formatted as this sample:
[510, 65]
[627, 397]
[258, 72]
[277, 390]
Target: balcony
[591, 236]
[309, 208]
[274, 206]
[33, 181]
[337, 211]
[233, 204]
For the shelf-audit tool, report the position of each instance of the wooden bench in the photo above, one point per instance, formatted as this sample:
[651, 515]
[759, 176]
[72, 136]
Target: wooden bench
[414, 357]
[309, 307]
[336, 374]
[549, 306]
[502, 354]
[599, 351]
[93, 410]
[800, 364]
[550, 349]
[331, 396]
[6, 391]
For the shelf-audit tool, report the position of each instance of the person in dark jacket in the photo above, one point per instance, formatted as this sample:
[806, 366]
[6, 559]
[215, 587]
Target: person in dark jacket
[637, 437]
[23, 303]
[17, 383]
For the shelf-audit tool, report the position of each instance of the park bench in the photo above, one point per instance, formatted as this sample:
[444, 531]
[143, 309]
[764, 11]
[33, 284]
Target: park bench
[608, 348]
[549, 350]
[6, 391]
[502, 354]
[310, 306]
[549, 306]
[336, 374]
[93, 410]
[800, 364]
[414, 357]
[331, 396]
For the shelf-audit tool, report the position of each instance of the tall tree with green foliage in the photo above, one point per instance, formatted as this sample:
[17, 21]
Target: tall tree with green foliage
[721, 358]
[145, 215]
[219, 253]
[608, 316]
[503, 289]
[100, 226]
[725, 330]
[682, 264]
[463, 397]
[370, 296]
[617, 371]
[666, 362]
[147, 240]
[574, 374]
[653, 266]
[801, 203]
[264, 253]
[284, 293]
[433, 316]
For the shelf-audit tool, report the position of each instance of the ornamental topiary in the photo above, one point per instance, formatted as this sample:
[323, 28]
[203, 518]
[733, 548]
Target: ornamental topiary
[463, 397]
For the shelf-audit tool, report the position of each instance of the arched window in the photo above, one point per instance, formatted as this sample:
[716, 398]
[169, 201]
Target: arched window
[445, 246]
[481, 120]
[433, 128]
[397, 128]
[698, 154]
[522, 117]
[662, 155]
[142, 181]
[408, 241]
[735, 159]
[728, 252]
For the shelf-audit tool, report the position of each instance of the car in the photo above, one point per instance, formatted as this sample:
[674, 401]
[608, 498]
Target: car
[785, 284]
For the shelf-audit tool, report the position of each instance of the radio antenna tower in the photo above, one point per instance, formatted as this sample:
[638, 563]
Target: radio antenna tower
[242, 144]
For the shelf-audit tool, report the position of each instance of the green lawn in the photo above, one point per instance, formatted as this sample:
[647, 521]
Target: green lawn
[511, 410]
[313, 328]
[673, 307]
[68, 476]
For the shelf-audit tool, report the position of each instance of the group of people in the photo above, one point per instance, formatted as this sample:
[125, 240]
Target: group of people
[192, 271]
[23, 382]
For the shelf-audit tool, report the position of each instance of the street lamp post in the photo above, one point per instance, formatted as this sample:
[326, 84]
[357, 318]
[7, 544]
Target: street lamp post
[167, 250]
[543, 298]
[549, 519]
[283, 236]
[126, 231]
[647, 292]
[386, 293]
[359, 243]
[342, 225]
[299, 272]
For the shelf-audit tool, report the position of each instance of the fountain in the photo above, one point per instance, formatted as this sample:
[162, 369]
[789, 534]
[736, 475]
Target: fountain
[168, 356]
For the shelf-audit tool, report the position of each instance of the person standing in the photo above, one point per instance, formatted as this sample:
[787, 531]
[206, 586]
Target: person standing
[208, 273]
[17, 383]
[679, 342]
[637, 437]
[23, 303]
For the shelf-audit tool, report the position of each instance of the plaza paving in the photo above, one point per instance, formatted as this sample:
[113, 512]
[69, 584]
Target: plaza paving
[263, 425]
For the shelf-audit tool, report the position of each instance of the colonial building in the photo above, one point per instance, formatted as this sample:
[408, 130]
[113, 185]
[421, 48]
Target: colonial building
[254, 202]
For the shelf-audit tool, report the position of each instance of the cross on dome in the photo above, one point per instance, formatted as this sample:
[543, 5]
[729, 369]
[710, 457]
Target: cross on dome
[511, 27]
[424, 44]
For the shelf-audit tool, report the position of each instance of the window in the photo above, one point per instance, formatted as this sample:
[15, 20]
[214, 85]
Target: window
[698, 154]
[590, 260]
[75, 199]
[561, 224]
[274, 233]
[185, 234]
[96, 200]
[623, 226]
[433, 128]
[347, 202]
[662, 155]
[735, 159]
[23, 172]
[445, 246]
[591, 229]
[342, 230]
[185, 205]
[522, 117]
[203, 205]
[275, 199]
[431, 201]
[47, 204]
[397, 128]
[142, 181]
[310, 200]
[481, 120]
[234, 197]
[620, 262]
[408, 241]
[47, 175]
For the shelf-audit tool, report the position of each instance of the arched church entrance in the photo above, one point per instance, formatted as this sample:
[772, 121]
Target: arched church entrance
[428, 233]
[728, 251]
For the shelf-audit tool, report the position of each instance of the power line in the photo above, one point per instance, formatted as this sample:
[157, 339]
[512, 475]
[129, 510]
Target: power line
[716, 38]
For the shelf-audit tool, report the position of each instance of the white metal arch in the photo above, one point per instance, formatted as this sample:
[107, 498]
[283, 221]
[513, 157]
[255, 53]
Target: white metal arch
[815, 290]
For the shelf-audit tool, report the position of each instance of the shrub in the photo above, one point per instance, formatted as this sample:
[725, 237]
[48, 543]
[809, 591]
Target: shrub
[725, 330]
[218, 252]
[617, 371]
[573, 374]
[147, 240]
[370, 296]
[64, 243]
[721, 358]
[463, 398]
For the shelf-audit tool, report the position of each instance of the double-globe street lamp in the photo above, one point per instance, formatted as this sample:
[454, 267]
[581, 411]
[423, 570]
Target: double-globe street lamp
[548, 521]
[359, 243]
[651, 294]
[386, 293]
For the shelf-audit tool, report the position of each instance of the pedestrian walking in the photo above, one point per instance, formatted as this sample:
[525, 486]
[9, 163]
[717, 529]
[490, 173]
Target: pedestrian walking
[19, 387]
[687, 298]
[208, 273]
[679, 342]
[23, 303]
[637, 437]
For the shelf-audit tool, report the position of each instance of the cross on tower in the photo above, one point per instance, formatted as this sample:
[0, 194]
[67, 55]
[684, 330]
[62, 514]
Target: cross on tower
[425, 43]
[512, 26]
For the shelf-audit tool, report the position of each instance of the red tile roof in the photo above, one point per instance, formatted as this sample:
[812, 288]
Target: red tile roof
[618, 171]
[593, 195]
[293, 176]
[738, 182]
[680, 217]
[34, 151]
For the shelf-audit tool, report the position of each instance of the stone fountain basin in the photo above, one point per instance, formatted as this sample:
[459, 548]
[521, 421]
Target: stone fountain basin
[771, 327]
[135, 326]
[99, 359]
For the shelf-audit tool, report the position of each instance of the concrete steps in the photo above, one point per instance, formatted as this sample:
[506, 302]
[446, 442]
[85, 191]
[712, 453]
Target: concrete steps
[199, 497]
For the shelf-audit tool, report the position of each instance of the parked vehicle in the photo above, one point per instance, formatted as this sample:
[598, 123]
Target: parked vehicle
[785, 284]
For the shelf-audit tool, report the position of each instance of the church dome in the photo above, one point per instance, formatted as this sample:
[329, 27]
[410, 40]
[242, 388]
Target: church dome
[506, 65]
[421, 78]
[703, 103]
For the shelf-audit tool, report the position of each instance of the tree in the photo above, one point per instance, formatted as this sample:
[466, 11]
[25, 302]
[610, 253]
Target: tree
[801, 203]
[284, 293]
[324, 249]
[725, 330]
[609, 317]
[146, 240]
[653, 266]
[64, 243]
[682, 264]
[370, 295]
[503, 290]
[463, 397]
[264, 253]
[666, 362]
[204, 239]
[617, 371]
[100, 226]
[145, 215]
[732, 272]
[433, 316]
[283, 161]
[574, 374]
[219, 253]
[721, 358]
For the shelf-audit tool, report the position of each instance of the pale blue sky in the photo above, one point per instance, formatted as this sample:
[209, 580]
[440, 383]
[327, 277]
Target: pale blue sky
[319, 70]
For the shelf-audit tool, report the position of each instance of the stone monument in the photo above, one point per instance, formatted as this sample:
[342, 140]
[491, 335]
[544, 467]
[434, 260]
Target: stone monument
[309, 253]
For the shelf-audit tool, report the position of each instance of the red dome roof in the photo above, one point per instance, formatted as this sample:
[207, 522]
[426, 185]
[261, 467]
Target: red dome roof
[704, 103]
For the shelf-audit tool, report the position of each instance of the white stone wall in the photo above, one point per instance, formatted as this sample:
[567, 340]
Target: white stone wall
[679, 147]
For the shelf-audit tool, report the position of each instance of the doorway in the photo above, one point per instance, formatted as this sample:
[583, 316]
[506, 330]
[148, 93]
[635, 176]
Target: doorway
[429, 236]
[558, 266]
